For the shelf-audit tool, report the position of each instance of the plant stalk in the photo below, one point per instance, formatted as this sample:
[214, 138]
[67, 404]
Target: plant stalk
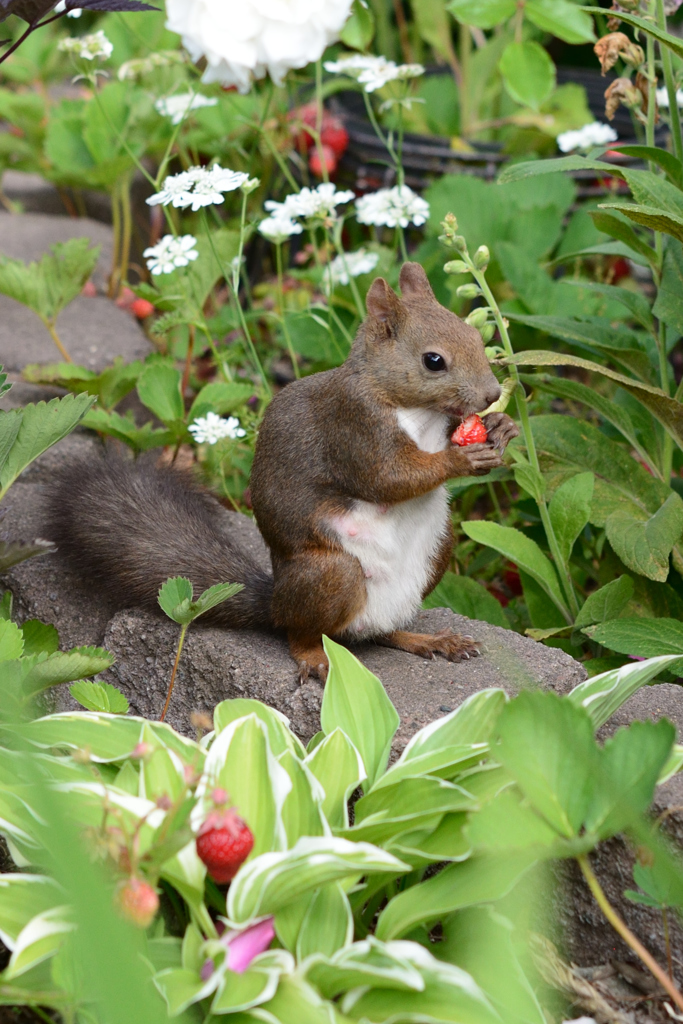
[626, 934]
[281, 296]
[57, 340]
[181, 640]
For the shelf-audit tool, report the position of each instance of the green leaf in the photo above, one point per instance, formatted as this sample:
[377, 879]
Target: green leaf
[244, 990]
[528, 73]
[481, 13]
[474, 881]
[48, 286]
[215, 595]
[339, 769]
[14, 552]
[606, 603]
[667, 161]
[604, 694]
[301, 808]
[42, 425]
[561, 19]
[10, 421]
[158, 387]
[123, 428]
[11, 641]
[108, 739]
[642, 638]
[64, 667]
[635, 302]
[182, 987]
[598, 335]
[508, 823]
[265, 884]
[356, 702]
[669, 303]
[650, 217]
[536, 168]
[39, 637]
[465, 596]
[359, 28]
[413, 803]
[648, 27]
[570, 510]
[618, 228]
[175, 597]
[548, 747]
[280, 736]
[219, 397]
[645, 546]
[530, 480]
[24, 897]
[521, 550]
[369, 963]
[99, 697]
[328, 924]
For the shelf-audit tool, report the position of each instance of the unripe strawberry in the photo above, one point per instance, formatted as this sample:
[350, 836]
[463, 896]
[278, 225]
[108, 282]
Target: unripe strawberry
[470, 431]
[141, 308]
[224, 842]
[137, 901]
[89, 290]
[323, 156]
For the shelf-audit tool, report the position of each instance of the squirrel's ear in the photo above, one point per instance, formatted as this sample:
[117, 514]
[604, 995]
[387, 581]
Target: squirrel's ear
[414, 283]
[381, 300]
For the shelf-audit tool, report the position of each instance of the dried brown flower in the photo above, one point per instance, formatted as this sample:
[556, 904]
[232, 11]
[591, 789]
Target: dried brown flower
[622, 91]
[611, 47]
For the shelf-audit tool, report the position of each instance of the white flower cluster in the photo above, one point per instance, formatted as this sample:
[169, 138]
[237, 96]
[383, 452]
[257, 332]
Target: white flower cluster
[75, 12]
[392, 207]
[139, 66]
[211, 428]
[593, 134]
[179, 106]
[200, 186]
[87, 47]
[171, 252]
[309, 202]
[663, 97]
[351, 264]
[251, 38]
[372, 72]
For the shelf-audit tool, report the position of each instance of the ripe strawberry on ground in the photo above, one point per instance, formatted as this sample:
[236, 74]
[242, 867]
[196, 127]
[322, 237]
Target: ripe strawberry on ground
[137, 901]
[224, 842]
[470, 431]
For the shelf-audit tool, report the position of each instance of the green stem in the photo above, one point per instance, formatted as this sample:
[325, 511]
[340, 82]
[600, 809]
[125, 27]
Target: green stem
[626, 934]
[181, 640]
[113, 288]
[384, 139]
[319, 118]
[58, 341]
[283, 315]
[126, 228]
[674, 118]
[402, 242]
[337, 242]
[465, 53]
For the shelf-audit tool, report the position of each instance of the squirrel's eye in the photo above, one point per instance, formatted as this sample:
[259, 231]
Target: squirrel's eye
[433, 361]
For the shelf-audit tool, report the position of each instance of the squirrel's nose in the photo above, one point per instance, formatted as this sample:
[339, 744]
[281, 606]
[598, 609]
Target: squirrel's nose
[492, 394]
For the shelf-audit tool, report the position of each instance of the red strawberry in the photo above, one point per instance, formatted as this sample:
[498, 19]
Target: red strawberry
[224, 842]
[334, 135]
[328, 158]
[89, 290]
[141, 308]
[137, 901]
[470, 431]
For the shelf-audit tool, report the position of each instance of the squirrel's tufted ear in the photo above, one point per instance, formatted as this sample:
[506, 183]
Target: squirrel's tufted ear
[414, 283]
[382, 301]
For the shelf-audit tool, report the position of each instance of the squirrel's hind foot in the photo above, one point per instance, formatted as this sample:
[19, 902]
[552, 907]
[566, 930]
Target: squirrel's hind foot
[310, 658]
[452, 646]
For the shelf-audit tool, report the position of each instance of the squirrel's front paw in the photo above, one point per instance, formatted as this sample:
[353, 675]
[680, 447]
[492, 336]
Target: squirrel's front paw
[500, 429]
[482, 458]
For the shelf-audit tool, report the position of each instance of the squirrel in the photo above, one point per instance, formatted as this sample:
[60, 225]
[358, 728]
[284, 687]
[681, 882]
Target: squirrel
[346, 488]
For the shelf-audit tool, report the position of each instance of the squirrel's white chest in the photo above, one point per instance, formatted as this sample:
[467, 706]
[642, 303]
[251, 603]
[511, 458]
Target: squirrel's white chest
[397, 544]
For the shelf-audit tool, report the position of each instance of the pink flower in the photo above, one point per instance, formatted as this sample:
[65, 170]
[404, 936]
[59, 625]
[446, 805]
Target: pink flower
[243, 947]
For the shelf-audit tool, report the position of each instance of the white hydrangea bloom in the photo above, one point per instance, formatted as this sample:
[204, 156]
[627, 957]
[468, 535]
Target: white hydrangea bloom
[279, 227]
[351, 264]
[211, 428]
[663, 97]
[246, 40]
[310, 202]
[392, 207]
[170, 253]
[593, 134]
[200, 186]
[87, 47]
[179, 106]
[372, 72]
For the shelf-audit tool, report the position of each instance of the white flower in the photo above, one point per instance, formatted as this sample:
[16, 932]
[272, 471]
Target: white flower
[279, 227]
[177, 107]
[593, 134]
[248, 39]
[391, 207]
[372, 72]
[87, 47]
[143, 65]
[200, 186]
[171, 252]
[211, 428]
[663, 97]
[75, 12]
[351, 264]
[310, 202]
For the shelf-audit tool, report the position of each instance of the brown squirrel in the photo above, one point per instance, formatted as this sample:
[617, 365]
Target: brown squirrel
[346, 488]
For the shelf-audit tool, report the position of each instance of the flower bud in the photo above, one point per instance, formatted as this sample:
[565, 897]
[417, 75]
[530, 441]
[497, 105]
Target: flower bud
[450, 223]
[477, 317]
[481, 257]
[459, 243]
[249, 185]
[487, 331]
[456, 267]
[468, 291]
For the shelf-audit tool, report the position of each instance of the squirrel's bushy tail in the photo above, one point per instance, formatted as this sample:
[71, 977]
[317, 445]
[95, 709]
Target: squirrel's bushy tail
[128, 526]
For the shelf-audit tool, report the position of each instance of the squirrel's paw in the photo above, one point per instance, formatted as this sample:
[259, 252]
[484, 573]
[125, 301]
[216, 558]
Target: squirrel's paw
[500, 429]
[311, 659]
[482, 458]
[453, 646]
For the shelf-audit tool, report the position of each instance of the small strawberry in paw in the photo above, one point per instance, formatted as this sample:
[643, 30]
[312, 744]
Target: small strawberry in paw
[224, 840]
[470, 431]
[137, 901]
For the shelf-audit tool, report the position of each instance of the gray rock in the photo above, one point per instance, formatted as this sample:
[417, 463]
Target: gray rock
[93, 330]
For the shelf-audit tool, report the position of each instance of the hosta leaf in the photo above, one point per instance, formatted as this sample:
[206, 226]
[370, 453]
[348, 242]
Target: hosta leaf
[24, 897]
[301, 808]
[41, 938]
[280, 736]
[369, 963]
[604, 694]
[339, 769]
[327, 925]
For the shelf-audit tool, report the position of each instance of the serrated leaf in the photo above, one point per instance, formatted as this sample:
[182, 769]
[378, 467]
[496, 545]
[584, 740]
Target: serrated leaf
[11, 641]
[219, 397]
[562, 19]
[42, 425]
[645, 546]
[64, 667]
[158, 387]
[124, 428]
[39, 637]
[642, 638]
[10, 421]
[100, 696]
[49, 285]
[215, 595]
[174, 599]
[669, 302]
